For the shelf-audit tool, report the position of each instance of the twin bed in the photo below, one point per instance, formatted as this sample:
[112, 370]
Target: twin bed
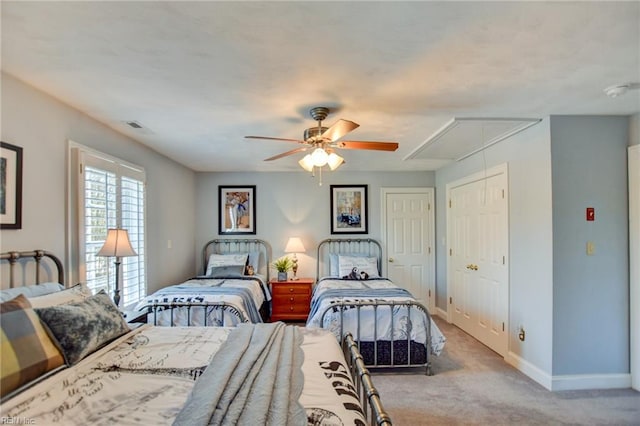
[233, 288]
[86, 365]
[391, 328]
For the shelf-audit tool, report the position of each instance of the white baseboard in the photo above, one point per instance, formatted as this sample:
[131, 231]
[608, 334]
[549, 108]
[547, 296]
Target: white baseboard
[529, 370]
[591, 381]
[442, 314]
[569, 381]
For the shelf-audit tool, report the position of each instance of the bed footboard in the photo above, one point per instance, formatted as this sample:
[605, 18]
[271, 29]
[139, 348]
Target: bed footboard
[210, 314]
[369, 396]
[379, 353]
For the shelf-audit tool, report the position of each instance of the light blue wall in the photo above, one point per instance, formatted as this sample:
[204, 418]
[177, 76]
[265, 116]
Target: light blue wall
[590, 293]
[292, 204]
[41, 125]
[573, 307]
[634, 130]
[528, 157]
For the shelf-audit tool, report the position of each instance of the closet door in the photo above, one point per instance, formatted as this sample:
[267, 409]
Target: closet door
[478, 245]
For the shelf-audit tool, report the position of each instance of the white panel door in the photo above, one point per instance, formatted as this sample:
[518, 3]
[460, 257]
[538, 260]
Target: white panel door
[478, 246]
[463, 222]
[491, 272]
[409, 242]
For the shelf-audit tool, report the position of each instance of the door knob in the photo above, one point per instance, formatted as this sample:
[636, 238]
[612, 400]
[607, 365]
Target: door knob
[391, 260]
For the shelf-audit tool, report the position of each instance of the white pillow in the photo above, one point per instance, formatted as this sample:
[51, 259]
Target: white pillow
[30, 290]
[77, 293]
[334, 270]
[362, 264]
[217, 260]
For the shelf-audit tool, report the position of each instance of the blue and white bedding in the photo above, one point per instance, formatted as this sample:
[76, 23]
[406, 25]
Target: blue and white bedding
[146, 376]
[246, 294]
[331, 290]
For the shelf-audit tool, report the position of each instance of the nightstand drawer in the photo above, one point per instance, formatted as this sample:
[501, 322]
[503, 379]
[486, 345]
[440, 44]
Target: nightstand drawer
[292, 299]
[291, 309]
[290, 288]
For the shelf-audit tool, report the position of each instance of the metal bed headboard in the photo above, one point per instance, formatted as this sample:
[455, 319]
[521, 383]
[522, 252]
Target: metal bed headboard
[346, 246]
[235, 245]
[37, 255]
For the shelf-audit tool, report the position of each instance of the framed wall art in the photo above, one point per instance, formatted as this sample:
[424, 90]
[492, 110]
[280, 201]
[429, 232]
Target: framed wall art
[237, 210]
[349, 209]
[10, 186]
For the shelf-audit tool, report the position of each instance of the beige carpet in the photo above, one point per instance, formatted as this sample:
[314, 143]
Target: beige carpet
[472, 385]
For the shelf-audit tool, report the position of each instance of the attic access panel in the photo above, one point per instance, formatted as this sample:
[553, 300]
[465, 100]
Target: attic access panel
[462, 137]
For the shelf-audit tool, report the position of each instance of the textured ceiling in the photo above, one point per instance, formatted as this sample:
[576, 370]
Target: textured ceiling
[199, 76]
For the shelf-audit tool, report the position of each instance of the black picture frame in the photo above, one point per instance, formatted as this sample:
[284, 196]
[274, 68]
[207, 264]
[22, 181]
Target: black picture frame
[236, 209]
[349, 212]
[10, 186]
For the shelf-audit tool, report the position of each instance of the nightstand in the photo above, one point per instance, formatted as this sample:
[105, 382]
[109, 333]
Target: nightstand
[291, 300]
[134, 317]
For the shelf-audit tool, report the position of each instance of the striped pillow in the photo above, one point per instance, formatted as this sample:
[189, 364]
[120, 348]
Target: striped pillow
[27, 350]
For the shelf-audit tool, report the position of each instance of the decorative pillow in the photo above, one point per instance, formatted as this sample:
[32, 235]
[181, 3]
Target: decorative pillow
[83, 327]
[226, 271]
[30, 290]
[334, 271]
[77, 293]
[27, 350]
[216, 260]
[356, 267]
[254, 260]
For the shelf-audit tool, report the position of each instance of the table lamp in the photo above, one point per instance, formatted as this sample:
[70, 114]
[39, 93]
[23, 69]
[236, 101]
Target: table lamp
[117, 245]
[294, 245]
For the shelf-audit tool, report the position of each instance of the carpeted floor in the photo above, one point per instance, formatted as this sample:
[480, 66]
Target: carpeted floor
[472, 385]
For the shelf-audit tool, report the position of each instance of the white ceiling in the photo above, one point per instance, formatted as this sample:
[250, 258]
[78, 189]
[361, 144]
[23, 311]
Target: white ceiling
[199, 76]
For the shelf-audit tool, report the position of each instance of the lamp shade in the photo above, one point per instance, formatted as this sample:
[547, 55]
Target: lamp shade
[294, 245]
[306, 163]
[334, 161]
[319, 157]
[117, 244]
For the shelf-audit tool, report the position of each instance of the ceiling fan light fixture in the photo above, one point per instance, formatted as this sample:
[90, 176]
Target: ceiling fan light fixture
[306, 163]
[319, 157]
[334, 161]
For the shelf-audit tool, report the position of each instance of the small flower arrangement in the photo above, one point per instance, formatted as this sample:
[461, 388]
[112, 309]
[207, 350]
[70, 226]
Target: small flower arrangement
[284, 264]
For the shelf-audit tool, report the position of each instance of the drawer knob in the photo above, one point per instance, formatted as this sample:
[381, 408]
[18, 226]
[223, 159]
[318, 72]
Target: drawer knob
[291, 308]
[290, 290]
[291, 299]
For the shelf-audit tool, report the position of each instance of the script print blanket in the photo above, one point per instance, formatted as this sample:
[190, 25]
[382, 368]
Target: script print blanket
[414, 323]
[242, 295]
[142, 378]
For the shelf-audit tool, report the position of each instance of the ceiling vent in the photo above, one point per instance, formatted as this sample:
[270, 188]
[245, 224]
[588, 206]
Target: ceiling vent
[134, 124]
[462, 137]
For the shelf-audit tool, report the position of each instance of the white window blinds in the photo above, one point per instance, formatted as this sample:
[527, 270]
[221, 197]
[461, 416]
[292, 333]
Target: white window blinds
[111, 195]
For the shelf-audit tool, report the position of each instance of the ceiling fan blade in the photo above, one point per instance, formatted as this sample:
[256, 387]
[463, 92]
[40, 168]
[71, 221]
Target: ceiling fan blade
[274, 139]
[285, 154]
[339, 129]
[378, 146]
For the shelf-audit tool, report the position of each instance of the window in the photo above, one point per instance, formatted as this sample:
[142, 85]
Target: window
[111, 194]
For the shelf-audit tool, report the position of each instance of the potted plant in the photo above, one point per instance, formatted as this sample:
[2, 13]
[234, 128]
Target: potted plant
[283, 265]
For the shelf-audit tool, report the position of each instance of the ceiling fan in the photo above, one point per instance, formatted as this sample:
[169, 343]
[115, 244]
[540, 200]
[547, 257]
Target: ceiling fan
[323, 140]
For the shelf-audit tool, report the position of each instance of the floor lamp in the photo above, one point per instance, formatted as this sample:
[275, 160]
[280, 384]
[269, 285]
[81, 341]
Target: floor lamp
[117, 245]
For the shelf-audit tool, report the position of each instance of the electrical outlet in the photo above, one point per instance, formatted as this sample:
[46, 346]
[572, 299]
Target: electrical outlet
[591, 248]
